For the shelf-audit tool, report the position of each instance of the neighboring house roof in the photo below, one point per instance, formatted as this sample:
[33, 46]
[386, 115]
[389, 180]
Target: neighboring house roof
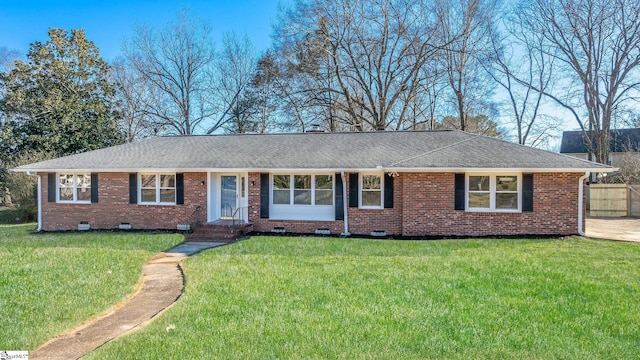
[359, 151]
[622, 140]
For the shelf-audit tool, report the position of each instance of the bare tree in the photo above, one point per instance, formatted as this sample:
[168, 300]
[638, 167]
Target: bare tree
[524, 71]
[596, 44]
[8, 58]
[235, 69]
[135, 100]
[362, 59]
[467, 27]
[178, 62]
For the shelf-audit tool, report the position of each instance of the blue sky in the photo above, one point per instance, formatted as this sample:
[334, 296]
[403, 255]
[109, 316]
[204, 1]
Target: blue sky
[107, 22]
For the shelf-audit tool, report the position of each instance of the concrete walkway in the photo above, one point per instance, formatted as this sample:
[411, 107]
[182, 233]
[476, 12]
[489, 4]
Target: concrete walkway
[161, 285]
[622, 229]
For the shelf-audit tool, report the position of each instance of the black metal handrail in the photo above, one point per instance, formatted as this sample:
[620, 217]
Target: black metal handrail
[240, 218]
[195, 219]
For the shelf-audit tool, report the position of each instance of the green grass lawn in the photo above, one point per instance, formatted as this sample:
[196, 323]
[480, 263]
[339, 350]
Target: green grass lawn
[52, 282]
[271, 297]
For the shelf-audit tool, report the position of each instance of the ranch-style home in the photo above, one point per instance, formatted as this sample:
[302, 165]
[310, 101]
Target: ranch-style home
[405, 184]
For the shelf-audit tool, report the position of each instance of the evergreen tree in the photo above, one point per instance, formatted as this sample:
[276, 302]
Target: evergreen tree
[60, 101]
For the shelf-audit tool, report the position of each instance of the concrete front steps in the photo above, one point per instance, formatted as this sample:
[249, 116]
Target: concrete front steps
[219, 231]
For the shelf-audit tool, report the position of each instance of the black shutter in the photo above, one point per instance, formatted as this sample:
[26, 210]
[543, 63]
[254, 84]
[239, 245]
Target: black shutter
[353, 190]
[527, 192]
[51, 187]
[339, 198]
[264, 196]
[133, 188]
[459, 197]
[94, 187]
[179, 189]
[388, 191]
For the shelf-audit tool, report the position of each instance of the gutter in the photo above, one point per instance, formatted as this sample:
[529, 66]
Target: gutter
[39, 195]
[344, 204]
[580, 202]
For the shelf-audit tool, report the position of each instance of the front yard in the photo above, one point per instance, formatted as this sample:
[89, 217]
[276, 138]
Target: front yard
[277, 297]
[271, 297]
[52, 282]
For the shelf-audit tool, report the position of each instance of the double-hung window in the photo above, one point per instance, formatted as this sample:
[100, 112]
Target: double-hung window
[157, 189]
[74, 188]
[310, 190]
[371, 191]
[494, 192]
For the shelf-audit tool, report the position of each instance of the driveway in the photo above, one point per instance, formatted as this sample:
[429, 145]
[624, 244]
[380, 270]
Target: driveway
[625, 229]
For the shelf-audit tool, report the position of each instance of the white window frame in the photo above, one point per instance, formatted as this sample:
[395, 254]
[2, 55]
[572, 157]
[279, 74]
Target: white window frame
[492, 192]
[292, 189]
[157, 188]
[75, 189]
[360, 189]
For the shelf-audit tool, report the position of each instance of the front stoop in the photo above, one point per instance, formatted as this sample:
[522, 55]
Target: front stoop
[222, 231]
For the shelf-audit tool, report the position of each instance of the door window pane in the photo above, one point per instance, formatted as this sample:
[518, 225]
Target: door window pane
[228, 196]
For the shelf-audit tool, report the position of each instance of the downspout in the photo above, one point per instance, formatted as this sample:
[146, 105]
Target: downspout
[580, 202]
[39, 195]
[344, 204]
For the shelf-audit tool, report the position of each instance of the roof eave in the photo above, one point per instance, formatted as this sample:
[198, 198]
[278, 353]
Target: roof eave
[312, 170]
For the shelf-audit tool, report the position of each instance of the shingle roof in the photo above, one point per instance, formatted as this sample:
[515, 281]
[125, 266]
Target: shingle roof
[393, 151]
[622, 140]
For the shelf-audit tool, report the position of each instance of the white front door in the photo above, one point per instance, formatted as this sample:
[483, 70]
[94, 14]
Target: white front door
[232, 197]
[228, 196]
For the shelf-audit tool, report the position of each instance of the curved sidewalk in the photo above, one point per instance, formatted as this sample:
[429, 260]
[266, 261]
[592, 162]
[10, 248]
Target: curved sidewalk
[161, 285]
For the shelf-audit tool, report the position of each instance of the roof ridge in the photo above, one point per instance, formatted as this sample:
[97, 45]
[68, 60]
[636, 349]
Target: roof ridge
[472, 136]
[299, 133]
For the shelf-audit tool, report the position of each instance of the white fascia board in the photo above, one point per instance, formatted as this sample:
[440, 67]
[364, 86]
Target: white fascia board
[200, 170]
[285, 170]
[490, 170]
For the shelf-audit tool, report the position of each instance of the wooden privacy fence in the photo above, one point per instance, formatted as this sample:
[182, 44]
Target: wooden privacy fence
[634, 200]
[614, 200]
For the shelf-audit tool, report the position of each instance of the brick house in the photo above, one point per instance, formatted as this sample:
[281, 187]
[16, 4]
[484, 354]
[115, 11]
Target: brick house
[410, 184]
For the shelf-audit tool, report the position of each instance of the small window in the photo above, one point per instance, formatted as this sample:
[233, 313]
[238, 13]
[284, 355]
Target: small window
[302, 190]
[74, 188]
[479, 192]
[324, 190]
[507, 192]
[157, 189]
[281, 189]
[371, 186]
[493, 192]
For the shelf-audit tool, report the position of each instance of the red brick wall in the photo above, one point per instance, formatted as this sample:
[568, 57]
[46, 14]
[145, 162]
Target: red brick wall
[113, 206]
[429, 208]
[293, 226]
[423, 206]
